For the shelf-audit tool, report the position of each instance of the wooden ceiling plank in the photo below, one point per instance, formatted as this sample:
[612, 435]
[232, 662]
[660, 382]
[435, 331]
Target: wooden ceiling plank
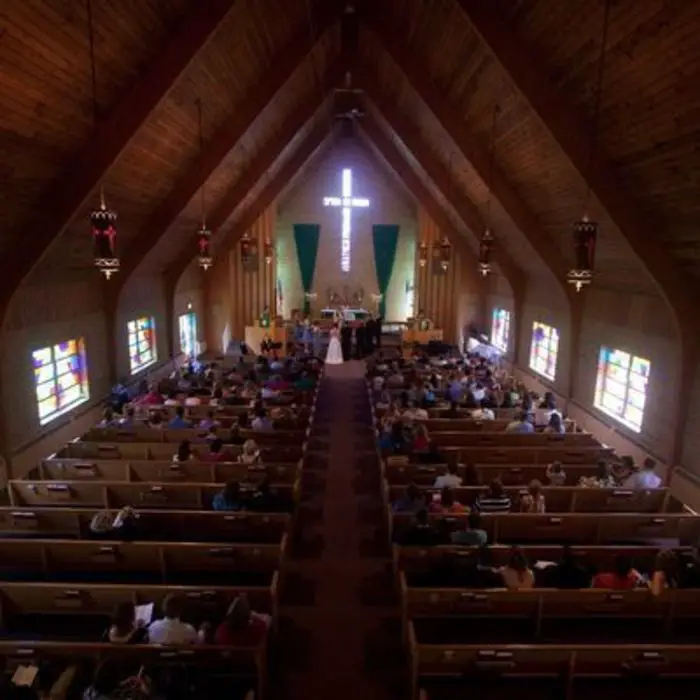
[265, 198]
[223, 141]
[72, 189]
[569, 131]
[478, 157]
[439, 174]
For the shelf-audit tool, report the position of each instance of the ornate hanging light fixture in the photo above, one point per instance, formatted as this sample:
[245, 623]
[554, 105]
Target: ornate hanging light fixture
[445, 252]
[103, 224]
[204, 256]
[268, 252]
[103, 221]
[423, 254]
[586, 231]
[249, 249]
[487, 240]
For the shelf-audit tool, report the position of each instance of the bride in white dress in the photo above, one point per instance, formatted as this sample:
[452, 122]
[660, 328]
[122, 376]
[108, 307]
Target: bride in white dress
[334, 355]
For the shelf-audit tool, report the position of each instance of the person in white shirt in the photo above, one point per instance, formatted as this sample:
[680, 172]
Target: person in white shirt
[171, 629]
[645, 478]
[192, 399]
[478, 392]
[483, 413]
[451, 479]
[414, 412]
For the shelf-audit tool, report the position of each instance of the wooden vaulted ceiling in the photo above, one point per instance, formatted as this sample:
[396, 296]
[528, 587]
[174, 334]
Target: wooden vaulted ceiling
[431, 73]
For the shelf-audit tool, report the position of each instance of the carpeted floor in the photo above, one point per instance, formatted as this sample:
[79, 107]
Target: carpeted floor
[339, 631]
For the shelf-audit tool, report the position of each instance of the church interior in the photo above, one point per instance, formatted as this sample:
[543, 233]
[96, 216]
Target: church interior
[349, 347]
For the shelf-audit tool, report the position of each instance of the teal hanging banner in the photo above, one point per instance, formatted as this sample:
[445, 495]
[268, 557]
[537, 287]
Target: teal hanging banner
[385, 238]
[306, 237]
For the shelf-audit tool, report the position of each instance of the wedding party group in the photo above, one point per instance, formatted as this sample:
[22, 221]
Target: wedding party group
[353, 341]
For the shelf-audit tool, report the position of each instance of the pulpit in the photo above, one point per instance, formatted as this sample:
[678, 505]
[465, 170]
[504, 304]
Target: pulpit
[277, 333]
[422, 337]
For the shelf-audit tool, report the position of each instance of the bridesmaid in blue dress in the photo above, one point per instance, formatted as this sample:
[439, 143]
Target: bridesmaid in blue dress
[307, 336]
[317, 339]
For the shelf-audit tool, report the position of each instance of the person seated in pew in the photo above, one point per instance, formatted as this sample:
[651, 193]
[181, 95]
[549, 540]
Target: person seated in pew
[129, 419]
[261, 421]
[216, 452]
[517, 574]
[250, 454]
[108, 419]
[101, 525]
[444, 502]
[125, 628]
[666, 573]
[623, 576]
[184, 452]
[242, 627]
[209, 422]
[484, 412]
[644, 478]
[452, 479]
[495, 500]
[152, 398]
[415, 412]
[556, 476]
[603, 479]
[179, 422]
[472, 535]
[421, 439]
[555, 425]
[170, 629]
[567, 574]
[412, 500]
[422, 533]
[521, 424]
[533, 501]
[229, 498]
[155, 420]
[126, 524]
[172, 399]
[106, 682]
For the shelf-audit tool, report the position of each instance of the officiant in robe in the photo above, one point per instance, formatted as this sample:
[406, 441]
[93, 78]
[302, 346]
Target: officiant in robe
[346, 341]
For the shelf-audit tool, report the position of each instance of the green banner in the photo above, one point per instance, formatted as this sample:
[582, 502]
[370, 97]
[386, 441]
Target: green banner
[306, 237]
[385, 239]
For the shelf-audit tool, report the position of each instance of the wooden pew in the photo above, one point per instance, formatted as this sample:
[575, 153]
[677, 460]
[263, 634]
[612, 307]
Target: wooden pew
[513, 440]
[137, 451]
[245, 665]
[154, 562]
[567, 499]
[471, 425]
[554, 670]
[117, 494]
[96, 599]
[422, 560]
[176, 525]
[164, 470]
[398, 472]
[143, 433]
[542, 454]
[676, 529]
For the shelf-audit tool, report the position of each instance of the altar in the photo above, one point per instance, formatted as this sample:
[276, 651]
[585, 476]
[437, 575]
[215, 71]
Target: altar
[347, 315]
[414, 335]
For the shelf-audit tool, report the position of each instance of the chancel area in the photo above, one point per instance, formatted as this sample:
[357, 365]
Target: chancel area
[349, 348]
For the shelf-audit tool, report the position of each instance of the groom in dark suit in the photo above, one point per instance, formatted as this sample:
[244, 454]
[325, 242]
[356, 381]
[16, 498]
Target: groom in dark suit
[346, 341]
[378, 332]
[370, 332]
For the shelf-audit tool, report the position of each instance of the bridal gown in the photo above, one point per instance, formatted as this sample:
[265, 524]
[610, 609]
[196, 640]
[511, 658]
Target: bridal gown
[334, 355]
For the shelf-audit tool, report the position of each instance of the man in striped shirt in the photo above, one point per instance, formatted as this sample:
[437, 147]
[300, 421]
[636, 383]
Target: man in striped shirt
[495, 500]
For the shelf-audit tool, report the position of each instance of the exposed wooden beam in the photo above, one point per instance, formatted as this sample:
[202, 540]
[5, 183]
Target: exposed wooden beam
[265, 198]
[439, 174]
[224, 140]
[396, 161]
[569, 130]
[72, 189]
[475, 153]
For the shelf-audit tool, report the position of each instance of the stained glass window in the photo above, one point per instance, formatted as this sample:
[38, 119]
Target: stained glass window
[188, 334]
[544, 350]
[621, 386]
[60, 377]
[142, 343]
[500, 329]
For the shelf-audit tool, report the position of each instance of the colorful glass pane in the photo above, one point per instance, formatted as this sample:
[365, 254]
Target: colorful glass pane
[621, 386]
[544, 350]
[142, 349]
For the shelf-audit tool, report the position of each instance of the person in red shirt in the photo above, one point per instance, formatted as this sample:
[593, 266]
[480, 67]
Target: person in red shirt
[216, 452]
[242, 627]
[152, 398]
[622, 577]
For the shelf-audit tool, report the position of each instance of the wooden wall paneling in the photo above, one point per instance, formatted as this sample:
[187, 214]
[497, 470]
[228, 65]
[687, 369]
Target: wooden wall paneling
[116, 131]
[233, 128]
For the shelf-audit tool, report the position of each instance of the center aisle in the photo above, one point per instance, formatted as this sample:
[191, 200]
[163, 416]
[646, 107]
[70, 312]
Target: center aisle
[353, 611]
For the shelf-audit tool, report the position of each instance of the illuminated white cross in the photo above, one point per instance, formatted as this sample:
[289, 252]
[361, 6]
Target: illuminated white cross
[348, 203]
